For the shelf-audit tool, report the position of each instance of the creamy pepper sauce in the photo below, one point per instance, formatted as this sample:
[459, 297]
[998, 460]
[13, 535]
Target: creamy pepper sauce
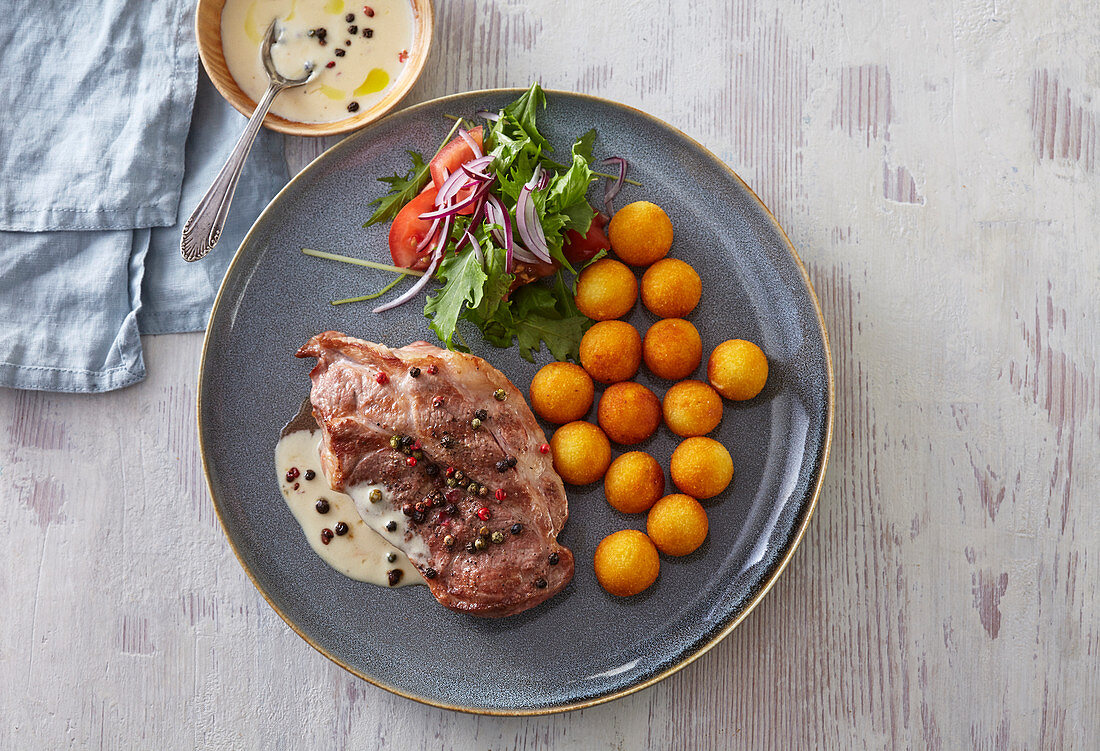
[359, 51]
[364, 551]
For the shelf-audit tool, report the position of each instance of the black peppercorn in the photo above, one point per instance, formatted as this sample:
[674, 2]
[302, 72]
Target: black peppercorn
[429, 573]
[322, 506]
[353, 30]
[408, 509]
[553, 559]
[311, 33]
[322, 32]
[368, 33]
[353, 106]
[481, 415]
[418, 517]
[502, 466]
[471, 548]
[540, 583]
[512, 461]
[310, 474]
[414, 372]
[347, 42]
[326, 535]
[339, 52]
[447, 440]
[452, 510]
[341, 529]
[432, 470]
[517, 528]
[391, 557]
[391, 526]
[349, 17]
[394, 576]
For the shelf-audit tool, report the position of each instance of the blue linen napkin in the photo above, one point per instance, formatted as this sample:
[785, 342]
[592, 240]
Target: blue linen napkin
[98, 262]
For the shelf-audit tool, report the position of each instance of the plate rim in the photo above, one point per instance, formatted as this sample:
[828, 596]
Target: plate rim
[685, 660]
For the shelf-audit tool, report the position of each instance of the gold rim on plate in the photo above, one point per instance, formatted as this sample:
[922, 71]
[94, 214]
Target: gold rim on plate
[688, 659]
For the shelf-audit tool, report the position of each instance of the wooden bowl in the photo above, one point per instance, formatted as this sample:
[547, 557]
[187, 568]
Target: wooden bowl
[208, 31]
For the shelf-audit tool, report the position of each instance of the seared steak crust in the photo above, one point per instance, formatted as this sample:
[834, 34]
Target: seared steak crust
[431, 401]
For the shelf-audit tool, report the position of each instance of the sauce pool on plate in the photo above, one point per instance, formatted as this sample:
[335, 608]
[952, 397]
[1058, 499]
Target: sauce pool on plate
[359, 52]
[333, 523]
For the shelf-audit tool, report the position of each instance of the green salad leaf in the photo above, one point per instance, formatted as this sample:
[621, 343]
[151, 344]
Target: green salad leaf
[402, 190]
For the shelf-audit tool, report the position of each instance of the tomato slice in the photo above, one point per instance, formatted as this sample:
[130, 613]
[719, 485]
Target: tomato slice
[580, 248]
[408, 230]
[450, 158]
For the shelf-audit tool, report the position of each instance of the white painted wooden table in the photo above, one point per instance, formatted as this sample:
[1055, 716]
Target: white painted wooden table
[936, 165]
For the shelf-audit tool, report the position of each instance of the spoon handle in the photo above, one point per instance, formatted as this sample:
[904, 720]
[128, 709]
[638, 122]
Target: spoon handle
[204, 227]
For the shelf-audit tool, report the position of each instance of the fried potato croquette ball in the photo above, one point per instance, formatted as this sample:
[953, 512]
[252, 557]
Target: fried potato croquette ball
[581, 452]
[607, 289]
[671, 288]
[561, 392]
[738, 369]
[611, 351]
[672, 349]
[692, 408]
[634, 482]
[701, 467]
[628, 412]
[640, 233]
[626, 563]
[677, 524]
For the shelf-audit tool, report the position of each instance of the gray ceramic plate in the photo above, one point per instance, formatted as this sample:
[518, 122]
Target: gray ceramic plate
[583, 646]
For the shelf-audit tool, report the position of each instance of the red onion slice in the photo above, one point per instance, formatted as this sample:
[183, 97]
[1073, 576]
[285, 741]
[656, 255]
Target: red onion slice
[415, 289]
[487, 115]
[451, 185]
[497, 214]
[454, 208]
[470, 142]
[522, 255]
[428, 237]
[613, 189]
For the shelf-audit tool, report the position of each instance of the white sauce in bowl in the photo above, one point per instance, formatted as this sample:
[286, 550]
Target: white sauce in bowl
[362, 553]
[373, 56]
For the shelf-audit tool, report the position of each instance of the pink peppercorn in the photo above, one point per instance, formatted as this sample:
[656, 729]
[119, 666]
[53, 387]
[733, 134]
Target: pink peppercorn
[500, 495]
[411, 461]
[544, 448]
[382, 378]
[484, 514]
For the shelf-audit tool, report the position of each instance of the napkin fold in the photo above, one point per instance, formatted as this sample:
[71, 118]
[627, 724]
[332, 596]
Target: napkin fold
[91, 200]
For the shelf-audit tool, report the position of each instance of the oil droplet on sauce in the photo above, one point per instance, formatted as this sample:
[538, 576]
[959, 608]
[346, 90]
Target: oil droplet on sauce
[251, 28]
[334, 6]
[332, 92]
[376, 80]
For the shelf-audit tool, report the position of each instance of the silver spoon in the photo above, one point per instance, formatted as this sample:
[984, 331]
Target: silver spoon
[202, 230]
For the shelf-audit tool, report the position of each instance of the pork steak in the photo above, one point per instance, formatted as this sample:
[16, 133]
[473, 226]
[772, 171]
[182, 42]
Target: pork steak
[452, 447]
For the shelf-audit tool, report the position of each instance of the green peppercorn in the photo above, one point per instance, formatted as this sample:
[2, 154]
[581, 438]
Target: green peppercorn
[451, 482]
[449, 541]
[395, 441]
[480, 543]
[498, 537]
[483, 490]
[391, 557]
[500, 395]
[459, 476]
[472, 488]
[475, 423]
[375, 495]
[418, 454]
[483, 532]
